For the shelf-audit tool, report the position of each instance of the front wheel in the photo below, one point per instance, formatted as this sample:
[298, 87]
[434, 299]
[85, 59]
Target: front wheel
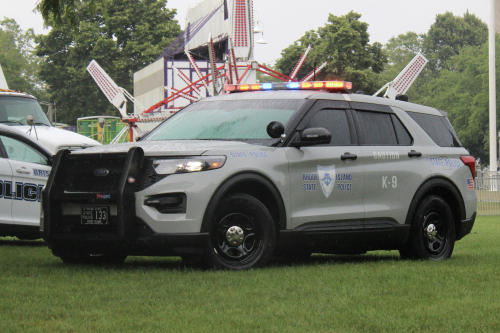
[432, 233]
[242, 234]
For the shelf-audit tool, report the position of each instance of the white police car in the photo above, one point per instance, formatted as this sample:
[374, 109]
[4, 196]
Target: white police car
[24, 170]
[302, 167]
[15, 107]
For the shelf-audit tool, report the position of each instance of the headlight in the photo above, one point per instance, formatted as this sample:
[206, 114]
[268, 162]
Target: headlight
[169, 166]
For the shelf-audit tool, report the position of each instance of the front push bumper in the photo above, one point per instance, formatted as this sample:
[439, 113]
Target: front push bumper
[125, 233]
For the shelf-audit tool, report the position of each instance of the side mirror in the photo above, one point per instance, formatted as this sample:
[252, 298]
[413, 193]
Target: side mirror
[275, 129]
[312, 137]
[30, 120]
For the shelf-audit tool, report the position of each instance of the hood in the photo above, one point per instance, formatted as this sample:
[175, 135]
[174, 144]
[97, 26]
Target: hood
[167, 148]
[56, 138]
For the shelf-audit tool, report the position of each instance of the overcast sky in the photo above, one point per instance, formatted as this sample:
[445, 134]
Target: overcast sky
[286, 20]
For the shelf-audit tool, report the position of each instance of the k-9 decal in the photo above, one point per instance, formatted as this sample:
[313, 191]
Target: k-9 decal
[392, 182]
[21, 191]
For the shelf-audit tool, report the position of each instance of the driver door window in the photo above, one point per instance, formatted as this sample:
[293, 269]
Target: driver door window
[20, 151]
[335, 121]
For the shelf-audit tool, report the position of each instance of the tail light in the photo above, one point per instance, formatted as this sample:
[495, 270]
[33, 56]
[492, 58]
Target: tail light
[471, 163]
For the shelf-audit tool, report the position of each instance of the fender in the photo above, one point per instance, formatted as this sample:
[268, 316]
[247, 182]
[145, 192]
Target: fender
[429, 185]
[234, 180]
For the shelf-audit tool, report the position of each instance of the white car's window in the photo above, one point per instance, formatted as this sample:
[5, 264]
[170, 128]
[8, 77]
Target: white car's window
[14, 110]
[19, 151]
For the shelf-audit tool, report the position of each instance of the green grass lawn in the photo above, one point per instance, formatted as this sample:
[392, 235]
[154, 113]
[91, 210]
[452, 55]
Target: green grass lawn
[376, 292]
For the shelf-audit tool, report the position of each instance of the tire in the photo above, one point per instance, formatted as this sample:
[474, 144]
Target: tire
[432, 233]
[85, 258]
[242, 234]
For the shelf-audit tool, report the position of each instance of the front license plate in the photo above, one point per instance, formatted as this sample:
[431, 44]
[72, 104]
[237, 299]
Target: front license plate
[95, 215]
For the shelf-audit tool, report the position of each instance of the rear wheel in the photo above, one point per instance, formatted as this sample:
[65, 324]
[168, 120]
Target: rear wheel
[242, 234]
[432, 233]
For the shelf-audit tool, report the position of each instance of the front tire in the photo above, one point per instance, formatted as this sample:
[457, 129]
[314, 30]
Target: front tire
[242, 234]
[432, 233]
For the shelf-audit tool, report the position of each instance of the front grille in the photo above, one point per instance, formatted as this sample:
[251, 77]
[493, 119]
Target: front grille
[81, 177]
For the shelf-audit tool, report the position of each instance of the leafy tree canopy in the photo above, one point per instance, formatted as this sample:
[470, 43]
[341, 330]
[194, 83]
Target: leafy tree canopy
[344, 43]
[55, 12]
[135, 33]
[449, 34]
[20, 66]
[462, 91]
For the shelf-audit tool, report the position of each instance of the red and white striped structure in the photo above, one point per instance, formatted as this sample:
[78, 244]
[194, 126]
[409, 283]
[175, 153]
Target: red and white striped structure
[405, 79]
[314, 72]
[300, 63]
[110, 89]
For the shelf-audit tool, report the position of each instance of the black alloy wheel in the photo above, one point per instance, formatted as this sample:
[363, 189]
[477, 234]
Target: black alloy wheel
[432, 233]
[242, 234]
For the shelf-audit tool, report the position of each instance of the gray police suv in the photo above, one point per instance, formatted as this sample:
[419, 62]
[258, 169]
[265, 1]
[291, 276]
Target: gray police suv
[237, 178]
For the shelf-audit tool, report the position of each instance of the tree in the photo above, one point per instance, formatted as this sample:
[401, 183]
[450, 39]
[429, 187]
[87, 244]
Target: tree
[449, 34]
[56, 10]
[462, 91]
[135, 33]
[344, 43]
[19, 63]
[400, 51]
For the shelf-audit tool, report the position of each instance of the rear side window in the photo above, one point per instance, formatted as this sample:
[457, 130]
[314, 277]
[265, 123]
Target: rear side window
[438, 128]
[376, 128]
[404, 139]
[334, 121]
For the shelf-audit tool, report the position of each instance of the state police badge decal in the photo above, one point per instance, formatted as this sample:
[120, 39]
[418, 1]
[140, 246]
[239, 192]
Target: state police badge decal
[326, 177]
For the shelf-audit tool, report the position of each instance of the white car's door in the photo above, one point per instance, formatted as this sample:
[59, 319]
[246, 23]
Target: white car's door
[30, 171]
[5, 183]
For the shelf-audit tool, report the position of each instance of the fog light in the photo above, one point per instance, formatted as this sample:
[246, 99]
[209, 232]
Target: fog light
[168, 203]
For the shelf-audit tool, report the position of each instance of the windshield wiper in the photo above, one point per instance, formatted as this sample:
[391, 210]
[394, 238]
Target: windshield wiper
[12, 121]
[41, 124]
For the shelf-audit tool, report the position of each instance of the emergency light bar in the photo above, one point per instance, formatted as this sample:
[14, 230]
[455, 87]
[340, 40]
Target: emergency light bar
[340, 86]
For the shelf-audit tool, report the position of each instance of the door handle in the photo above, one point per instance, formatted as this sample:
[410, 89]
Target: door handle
[23, 170]
[414, 153]
[348, 156]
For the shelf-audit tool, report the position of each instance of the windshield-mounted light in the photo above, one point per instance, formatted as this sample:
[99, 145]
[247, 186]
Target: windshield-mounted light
[169, 166]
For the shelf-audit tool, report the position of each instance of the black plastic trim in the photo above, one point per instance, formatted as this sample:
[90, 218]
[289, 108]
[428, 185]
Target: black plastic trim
[429, 185]
[466, 226]
[234, 180]
[18, 230]
[371, 107]
[370, 234]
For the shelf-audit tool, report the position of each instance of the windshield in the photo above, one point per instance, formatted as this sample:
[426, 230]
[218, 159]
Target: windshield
[14, 110]
[243, 120]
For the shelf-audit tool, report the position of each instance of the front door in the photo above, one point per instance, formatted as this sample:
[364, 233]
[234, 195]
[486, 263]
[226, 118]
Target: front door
[30, 172]
[326, 181]
[5, 184]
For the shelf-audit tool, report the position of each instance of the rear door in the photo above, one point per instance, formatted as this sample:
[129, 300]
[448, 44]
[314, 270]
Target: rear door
[327, 180]
[394, 164]
[30, 170]
[5, 184]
